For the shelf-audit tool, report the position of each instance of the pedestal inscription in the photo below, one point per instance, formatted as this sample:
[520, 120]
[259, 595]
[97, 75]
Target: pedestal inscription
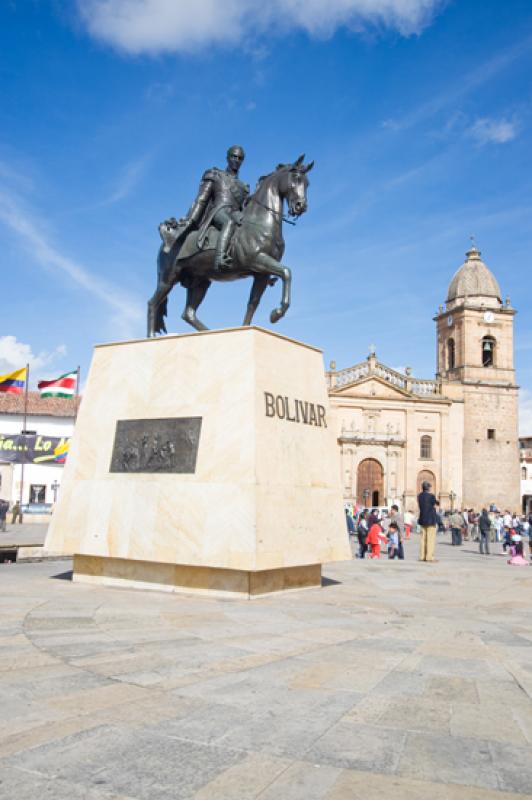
[156, 445]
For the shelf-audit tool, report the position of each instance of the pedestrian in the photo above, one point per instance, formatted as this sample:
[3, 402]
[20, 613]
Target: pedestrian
[498, 527]
[350, 530]
[362, 534]
[374, 538]
[484, 525]
[393, 540]
[399, 519]
[472, 518]
[456, 522]
[518, 559]
[408, 519]
[529, 534]
[16, 512]
[427, 520]
[507, 538]
[373, 517]
[3, 514]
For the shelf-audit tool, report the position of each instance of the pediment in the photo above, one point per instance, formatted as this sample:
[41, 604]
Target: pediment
[371, 386]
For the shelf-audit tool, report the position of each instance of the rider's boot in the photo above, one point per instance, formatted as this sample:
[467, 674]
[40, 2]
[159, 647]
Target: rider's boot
[222, 260]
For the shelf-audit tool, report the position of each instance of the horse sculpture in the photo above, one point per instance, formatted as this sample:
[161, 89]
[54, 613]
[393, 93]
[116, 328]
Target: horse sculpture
[257, 250]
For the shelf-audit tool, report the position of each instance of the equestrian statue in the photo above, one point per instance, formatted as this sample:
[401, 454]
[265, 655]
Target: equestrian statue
[229, 234]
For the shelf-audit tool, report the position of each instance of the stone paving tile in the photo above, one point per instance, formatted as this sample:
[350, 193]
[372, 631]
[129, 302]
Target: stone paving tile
[459, 690]
[479, 669]
[486, 722]
[355, 746]
[18, 784]
[398, 682]
[448, 759]
[416, 714]
[246, 780]
[302, 781]
[514, 766]
[134, 764]
[352, 785]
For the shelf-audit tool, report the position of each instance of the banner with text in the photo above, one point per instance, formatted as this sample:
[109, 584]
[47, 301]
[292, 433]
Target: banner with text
[34, 449]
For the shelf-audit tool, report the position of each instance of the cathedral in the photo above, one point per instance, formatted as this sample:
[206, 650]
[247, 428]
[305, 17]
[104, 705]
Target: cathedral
[458, 430]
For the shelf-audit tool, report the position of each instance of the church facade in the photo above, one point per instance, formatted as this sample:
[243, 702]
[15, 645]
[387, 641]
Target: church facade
[458, 430]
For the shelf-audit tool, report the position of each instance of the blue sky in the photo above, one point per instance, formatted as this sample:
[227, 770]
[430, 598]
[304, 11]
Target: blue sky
[418, 114]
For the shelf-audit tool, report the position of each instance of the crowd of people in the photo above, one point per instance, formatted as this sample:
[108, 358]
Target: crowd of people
[371, 532]
[377, 533]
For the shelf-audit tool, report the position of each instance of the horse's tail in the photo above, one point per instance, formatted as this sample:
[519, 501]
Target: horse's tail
[160, 313]
[158, 305]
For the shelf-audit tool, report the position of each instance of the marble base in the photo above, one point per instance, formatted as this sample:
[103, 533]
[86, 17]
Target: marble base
[263, 496]
[197, 580]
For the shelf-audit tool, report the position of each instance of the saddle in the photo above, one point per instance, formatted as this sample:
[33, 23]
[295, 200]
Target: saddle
[193, 244]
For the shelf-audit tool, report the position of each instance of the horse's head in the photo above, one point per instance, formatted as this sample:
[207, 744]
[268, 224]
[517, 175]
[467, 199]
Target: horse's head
[293, 183]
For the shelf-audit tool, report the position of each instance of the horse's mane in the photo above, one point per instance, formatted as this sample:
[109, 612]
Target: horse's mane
[278, 168]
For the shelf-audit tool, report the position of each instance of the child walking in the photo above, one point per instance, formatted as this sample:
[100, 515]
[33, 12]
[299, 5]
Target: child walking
[373, 540]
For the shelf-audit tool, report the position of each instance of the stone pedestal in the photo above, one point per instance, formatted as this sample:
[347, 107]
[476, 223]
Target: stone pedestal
[203, 462]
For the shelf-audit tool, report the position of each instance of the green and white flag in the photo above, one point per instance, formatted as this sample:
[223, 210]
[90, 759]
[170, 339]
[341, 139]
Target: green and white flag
[64, 386]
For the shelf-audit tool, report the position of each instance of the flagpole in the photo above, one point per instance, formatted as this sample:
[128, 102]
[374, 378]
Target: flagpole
[77, 394]
[24, 423]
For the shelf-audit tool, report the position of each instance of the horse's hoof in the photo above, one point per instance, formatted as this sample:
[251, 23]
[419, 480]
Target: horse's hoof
[276, 315]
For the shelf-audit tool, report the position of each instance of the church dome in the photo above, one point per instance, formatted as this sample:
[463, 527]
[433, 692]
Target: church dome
[474, 282]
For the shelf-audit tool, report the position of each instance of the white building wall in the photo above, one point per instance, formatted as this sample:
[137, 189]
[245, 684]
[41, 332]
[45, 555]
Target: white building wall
[46, 475]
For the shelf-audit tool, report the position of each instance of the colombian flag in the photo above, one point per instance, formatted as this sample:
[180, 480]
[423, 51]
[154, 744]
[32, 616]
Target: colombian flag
[60, 453]
[13, 382]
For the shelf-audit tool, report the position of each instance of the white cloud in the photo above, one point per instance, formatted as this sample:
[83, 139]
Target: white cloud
[487, 130]
[127, 180]
[15, 355]
[525, 412]
[153, 26]
[31, 232]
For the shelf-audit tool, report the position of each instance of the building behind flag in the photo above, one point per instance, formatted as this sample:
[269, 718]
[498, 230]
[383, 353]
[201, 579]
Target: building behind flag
[49, 428]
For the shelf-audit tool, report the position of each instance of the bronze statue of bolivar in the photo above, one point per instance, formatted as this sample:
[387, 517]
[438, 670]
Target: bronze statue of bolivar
[229, 234]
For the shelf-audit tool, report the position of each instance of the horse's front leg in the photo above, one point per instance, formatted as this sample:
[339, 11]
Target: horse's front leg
[260, 282]
[274, 267]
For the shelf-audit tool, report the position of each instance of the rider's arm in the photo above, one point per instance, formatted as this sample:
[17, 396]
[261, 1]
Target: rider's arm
[195, 212]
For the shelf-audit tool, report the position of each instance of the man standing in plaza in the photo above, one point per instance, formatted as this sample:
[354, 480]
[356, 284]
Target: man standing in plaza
[456, 522]
[428, 522]
[16, 513]
[3, 514]
[484, 524]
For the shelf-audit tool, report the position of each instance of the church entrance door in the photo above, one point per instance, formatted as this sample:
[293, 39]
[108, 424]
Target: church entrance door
[370, 482]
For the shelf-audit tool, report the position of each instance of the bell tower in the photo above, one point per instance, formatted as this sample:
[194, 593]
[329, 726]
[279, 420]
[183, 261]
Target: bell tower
[476, 366]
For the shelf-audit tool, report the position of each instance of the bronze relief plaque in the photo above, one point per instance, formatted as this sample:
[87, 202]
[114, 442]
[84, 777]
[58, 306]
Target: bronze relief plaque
[156, 445]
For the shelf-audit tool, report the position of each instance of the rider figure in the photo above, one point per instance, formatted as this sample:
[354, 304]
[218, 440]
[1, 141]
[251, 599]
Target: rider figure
[220, 197]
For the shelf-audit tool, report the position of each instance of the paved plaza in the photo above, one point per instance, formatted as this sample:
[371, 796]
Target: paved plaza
[394, 680]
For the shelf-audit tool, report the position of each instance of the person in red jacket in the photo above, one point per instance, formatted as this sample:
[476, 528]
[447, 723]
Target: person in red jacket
[375, 535]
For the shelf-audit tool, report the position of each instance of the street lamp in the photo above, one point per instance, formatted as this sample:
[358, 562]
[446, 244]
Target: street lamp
[365, 494]
[55, 486]
[452, 496]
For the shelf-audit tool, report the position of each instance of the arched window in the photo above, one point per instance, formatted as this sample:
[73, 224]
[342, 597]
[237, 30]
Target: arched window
[426, 475]
[425, 450]
[488, 351]
[450, 354]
